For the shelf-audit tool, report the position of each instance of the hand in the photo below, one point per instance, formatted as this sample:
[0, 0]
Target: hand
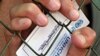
[22, 13]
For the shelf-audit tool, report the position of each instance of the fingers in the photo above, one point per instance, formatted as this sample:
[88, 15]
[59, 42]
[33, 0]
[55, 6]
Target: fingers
[67, 8]
[32, 12]
[83, 38]
[52, 5]
[21, 23]
[23, 14]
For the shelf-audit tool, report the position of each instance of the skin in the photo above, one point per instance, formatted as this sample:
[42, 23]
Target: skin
[19, 15]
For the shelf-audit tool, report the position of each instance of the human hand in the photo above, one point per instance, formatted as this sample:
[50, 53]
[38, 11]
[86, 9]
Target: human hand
[22, 13]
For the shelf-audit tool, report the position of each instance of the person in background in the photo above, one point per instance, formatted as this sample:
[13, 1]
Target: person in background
[20, 14]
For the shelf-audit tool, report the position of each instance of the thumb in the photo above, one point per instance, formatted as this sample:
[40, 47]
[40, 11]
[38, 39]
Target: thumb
[83, 38]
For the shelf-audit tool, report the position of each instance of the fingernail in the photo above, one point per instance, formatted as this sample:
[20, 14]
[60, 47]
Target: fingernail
[24, 21]
[54, 4]
[41, 20]
[74, 15]
[81, 37]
